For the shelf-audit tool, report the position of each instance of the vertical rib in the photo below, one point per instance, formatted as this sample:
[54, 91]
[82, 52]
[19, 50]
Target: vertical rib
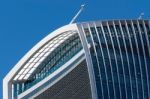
[93, 43]
[124, 43]
[114, 52]
[118, 43]
[137, 48]
[102, 58]
[148, 44]
[132, 57]
[108, 57]
[143, 48]
[89, 61]
[146, 35]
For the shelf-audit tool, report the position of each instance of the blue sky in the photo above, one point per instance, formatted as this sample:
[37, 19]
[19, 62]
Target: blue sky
[25, 22]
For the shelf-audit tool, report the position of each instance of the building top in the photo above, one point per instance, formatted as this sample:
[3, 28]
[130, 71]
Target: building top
[38, 55]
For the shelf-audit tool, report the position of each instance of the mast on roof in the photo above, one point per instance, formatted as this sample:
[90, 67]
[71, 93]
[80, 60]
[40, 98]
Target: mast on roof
[141, 15]
[75, 17]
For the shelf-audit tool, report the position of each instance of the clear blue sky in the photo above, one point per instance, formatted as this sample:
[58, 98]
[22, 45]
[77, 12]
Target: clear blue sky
[25, 22]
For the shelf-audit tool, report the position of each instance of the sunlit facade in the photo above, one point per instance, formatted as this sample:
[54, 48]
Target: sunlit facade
[90, 60]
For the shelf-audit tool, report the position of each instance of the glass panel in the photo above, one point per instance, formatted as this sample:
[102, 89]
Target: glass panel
[20, 78]
[41, 54]
[36, 55]
[31, 65]
[21, 71]
[26, 76]
[16, 77]
[26, 71]
[31, 60]
[118, 30]
[56, 59]
[36, 59]
[26, 65]
[31, 70]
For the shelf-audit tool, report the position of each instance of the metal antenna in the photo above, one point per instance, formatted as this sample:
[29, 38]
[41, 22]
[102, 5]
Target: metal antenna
[74, 18]
[141, 15]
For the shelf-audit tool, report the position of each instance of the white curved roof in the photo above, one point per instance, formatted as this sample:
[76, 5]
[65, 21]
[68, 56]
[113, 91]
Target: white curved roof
[41, 54]
[23, 68]
[21, 64]
[46, 46]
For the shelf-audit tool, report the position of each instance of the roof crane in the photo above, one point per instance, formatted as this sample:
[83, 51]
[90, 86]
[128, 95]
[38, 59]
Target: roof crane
[74, 18]
[141, 15]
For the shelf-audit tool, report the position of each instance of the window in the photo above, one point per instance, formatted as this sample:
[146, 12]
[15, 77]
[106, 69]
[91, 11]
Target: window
[124, 30]
[148, 29]
[86, 30]
[93, 31]
[142, 28]
[130, 29]
[136, 28]
[112, 30]
[118, 30]
[99, 30]
[105, 30]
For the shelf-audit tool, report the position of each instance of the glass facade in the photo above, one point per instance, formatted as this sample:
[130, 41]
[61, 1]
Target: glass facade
[52, 62]
[120, 55]
[119, 51]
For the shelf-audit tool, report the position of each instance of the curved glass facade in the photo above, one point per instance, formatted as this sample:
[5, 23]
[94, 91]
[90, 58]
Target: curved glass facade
[114, 57]
[58, 57]
[120, 55]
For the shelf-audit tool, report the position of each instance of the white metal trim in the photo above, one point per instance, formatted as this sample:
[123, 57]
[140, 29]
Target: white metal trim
[8, 78]
[88, 60]
[115, 55]
[103, 60]
[124, 43]
[137, 47]
[110, 62]
[143, 49]
[54, 74]
[132, 56]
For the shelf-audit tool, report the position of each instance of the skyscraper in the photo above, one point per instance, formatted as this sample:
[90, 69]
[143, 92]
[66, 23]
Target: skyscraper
[107, 59]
